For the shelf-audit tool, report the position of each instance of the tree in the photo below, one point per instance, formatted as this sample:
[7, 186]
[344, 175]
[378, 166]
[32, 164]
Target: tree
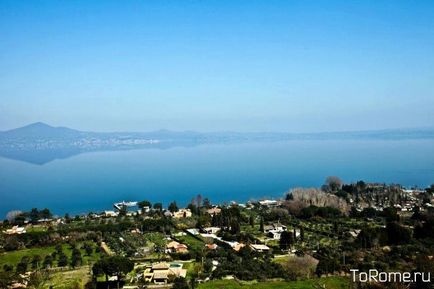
[207, 265]
[397, 234]
[158, 207]
[58, 248]
[206, 203]
[261, 225]
[144, 204]
[391, 214]
[252, 221]
[67, 218]
[192, 207]
[34, 214]
[88, 249]
[12, 244]
[113, 266]
[302, 234]
[159, 242]
[23, 265]
[289, 197]
[63, 259]
[235, 227]
[199, 200]
[6, 279]
[333, 184]
[286, 240]
[48, 261]
[173, 207]
[45, 214]
[12, 215]
[180, 283]
[36, 261]
[76, 258]
[300, 267]
[8, 268]
[38, 278]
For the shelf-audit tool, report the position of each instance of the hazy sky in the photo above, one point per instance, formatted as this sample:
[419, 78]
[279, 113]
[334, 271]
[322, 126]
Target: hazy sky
[217, 65]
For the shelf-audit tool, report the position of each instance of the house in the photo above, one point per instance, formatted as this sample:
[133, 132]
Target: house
[145, 209]
[175, 247]
[269, 203]
[276, 227]
[110, 214]
[237, 246]
[259, 248]
[15, 230]
[214, 210]
[161, 272]
[274, 235]
[193, 231]
[211, 230]
[182, 213]
[211, 246]
[355, 233]
[274, 230]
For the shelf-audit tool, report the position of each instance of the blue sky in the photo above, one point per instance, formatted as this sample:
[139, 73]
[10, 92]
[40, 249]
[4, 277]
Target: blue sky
[298, 66]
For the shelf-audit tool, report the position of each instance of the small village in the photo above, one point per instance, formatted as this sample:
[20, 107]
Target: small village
[313, 236]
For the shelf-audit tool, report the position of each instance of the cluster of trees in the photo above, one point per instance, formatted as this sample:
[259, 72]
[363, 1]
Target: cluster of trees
[230, 220]
[300, 267]
[58, 257]
[323, 212]
[113, 266]
[33, 215]
[394, 234]
[300, 198]
[245, 265]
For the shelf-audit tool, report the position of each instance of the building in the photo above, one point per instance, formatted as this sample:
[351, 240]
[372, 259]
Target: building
[274, 235]
[193, 231]
[161, 272]
[275, 230]
[110, 214]
[211, 230]
[269, 203]
[15, 230]
[276, 227]
[211, 246]
[236, 246]
[259, 248]
[175, 247]
[182, 213]
[214, 210]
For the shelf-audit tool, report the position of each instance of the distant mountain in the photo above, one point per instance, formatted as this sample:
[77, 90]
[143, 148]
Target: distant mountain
[40, 130]
[39, 143]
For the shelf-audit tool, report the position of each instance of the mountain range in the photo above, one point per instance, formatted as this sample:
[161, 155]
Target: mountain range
[40, 143]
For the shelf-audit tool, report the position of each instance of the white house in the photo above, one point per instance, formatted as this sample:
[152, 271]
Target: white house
[259, 248]
[15, 230]
[211, 230]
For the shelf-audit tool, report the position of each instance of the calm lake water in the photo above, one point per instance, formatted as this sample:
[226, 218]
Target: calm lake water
[94, 181]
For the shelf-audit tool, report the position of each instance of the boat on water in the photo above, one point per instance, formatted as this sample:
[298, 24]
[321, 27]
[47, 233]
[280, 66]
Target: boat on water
[124, 204]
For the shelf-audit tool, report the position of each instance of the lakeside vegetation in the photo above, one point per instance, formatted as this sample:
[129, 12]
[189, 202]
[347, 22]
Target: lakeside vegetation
[310, 238]
[329, 282]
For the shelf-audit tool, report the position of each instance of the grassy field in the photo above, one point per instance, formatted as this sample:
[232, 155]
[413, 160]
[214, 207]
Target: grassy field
[69, 279]
[14, 257]
[192, 242]
[328, 283]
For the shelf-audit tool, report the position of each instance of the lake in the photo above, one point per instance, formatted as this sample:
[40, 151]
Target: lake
[225, 172]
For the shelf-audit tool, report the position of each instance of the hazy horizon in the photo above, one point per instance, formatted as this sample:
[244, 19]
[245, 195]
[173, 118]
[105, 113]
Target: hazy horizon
[108, 130]
[257, 66]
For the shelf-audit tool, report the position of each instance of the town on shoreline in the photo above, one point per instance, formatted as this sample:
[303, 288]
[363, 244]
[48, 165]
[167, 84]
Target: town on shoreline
[311, 237]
